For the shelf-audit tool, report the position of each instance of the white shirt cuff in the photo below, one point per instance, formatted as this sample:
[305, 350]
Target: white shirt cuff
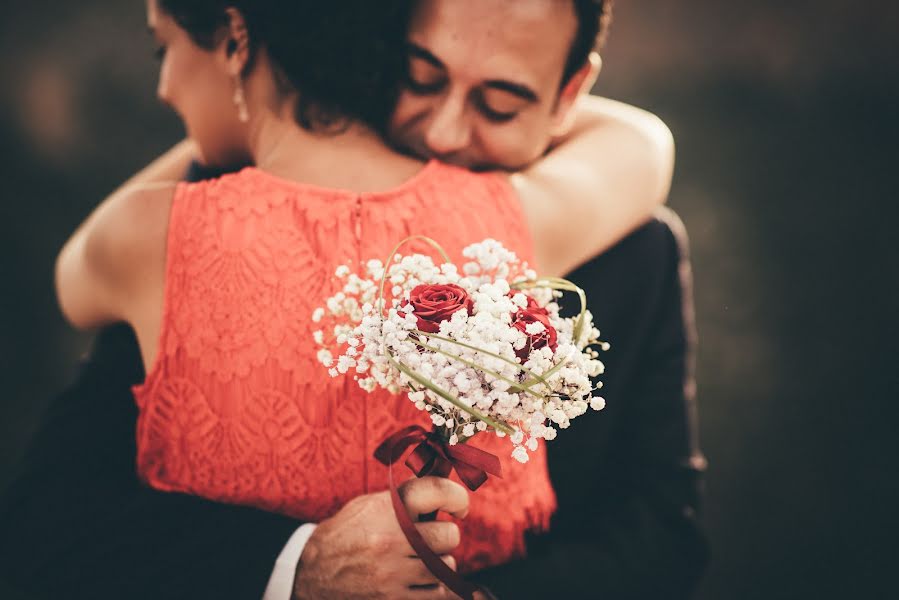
[280, 584]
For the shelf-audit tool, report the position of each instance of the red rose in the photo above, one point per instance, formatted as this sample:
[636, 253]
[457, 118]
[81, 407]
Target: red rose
[434, 304]
[534, 313]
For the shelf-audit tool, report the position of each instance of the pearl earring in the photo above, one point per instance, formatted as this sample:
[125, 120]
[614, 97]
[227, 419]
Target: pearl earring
[240, 101]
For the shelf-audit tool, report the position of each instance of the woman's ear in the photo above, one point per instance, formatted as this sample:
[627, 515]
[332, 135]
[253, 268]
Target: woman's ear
[580, 83]
[237, 44]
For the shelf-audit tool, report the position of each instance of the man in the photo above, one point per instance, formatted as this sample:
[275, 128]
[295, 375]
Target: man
[479, 95]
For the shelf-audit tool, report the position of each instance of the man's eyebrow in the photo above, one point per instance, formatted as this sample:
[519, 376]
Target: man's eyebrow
[422, 53]
[522, 91]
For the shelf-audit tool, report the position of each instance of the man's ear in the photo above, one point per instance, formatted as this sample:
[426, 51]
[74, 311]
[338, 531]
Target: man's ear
[237, 43]
[578, 84]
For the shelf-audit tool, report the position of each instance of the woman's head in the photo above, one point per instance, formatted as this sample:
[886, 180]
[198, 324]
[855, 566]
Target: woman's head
[330, 62]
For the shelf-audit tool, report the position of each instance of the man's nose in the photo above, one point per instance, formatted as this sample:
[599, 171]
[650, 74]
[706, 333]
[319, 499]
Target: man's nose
[449, 130]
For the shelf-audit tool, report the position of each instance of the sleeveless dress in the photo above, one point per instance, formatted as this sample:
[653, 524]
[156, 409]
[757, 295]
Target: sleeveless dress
[237, 408]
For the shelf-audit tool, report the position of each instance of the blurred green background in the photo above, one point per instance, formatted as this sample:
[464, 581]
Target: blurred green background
[786, 120]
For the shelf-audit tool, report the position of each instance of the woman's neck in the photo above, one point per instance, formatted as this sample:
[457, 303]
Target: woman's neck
[355, 159]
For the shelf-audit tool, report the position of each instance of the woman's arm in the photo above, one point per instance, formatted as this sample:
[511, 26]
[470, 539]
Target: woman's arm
[597, 184]
[112, 267]
[102, 266]
[169, 167]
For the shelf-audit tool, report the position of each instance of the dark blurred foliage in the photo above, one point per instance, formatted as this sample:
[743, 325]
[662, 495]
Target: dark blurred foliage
[786, 120]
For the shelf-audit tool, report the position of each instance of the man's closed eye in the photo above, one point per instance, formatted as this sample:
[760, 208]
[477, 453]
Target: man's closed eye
[424, 78]
[498, 106]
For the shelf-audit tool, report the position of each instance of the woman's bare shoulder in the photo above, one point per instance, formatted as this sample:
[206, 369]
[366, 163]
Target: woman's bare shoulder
[131, 229]
[116, 256]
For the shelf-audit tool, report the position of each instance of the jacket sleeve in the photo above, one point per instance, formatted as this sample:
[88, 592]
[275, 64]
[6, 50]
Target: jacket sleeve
[627, 478]
[77, 523]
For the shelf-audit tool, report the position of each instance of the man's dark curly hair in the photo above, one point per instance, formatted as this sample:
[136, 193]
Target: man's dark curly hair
[347, 58]
[594, 18]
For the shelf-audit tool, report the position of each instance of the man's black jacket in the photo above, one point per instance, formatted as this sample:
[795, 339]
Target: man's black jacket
[77, 523]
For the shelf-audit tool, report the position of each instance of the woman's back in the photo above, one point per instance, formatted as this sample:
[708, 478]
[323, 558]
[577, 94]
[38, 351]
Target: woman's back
[238, 408]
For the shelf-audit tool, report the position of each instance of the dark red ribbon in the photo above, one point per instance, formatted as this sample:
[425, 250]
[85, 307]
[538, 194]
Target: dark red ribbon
[434, 456]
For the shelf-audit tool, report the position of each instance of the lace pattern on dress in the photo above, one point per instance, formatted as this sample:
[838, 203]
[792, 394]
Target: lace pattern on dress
[236, 407]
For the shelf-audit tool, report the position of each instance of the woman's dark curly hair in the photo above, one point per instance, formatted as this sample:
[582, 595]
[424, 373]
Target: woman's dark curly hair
[346, 58]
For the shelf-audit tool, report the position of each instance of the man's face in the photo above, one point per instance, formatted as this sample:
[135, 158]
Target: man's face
[484, 80]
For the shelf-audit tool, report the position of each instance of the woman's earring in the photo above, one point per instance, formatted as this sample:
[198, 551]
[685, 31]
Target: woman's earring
[240, 101]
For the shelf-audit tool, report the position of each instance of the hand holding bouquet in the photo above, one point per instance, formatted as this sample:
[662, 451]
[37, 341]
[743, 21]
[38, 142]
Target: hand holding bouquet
[481, 350]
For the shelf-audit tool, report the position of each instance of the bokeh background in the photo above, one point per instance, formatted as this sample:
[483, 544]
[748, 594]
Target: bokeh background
[786, 116]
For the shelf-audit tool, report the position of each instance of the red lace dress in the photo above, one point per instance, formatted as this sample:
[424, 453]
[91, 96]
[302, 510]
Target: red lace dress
[237, 408]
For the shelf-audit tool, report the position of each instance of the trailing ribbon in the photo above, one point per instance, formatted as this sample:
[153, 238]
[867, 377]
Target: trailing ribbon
[433, 456]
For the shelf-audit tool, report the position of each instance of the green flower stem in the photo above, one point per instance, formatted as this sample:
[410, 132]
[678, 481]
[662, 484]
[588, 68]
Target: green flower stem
[476, 366]
[457, 427]
[552, 371]
[447, 396]
[517, 365]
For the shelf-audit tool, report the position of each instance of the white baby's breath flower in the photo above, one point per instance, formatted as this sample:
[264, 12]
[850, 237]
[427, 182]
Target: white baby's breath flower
[520, 454]
[325, 357]
[344, 363]
[598, 403]
[368, 330]
[535, 328]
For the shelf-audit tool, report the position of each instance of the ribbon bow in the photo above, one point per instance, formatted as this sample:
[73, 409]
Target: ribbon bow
[433, 456]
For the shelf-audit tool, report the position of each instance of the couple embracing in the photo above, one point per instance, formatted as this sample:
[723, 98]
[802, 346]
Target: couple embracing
[325, 132]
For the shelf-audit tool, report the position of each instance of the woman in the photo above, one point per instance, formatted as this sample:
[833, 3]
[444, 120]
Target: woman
[219, 279]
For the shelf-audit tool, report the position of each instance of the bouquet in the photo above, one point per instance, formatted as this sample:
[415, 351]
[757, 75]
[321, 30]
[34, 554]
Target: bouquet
[483, 350]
